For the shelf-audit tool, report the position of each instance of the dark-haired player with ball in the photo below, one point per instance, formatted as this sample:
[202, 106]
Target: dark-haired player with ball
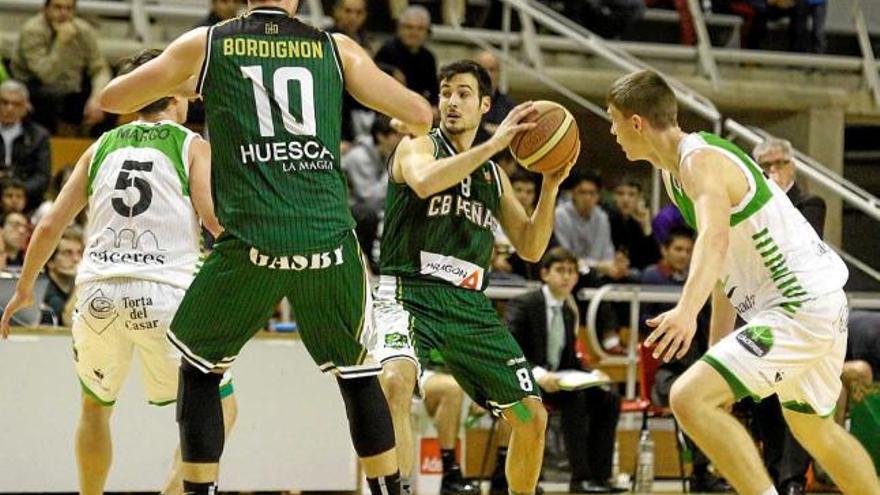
[446, 199]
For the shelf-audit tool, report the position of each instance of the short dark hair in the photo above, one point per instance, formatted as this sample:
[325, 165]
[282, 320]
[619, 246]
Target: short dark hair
[484, 83]
[381, 125]
[523, 175]
[678, 233]
[630, 181]
[647, 94]
[12, 183]
[131, 63]
[586, 177]
[557, 255]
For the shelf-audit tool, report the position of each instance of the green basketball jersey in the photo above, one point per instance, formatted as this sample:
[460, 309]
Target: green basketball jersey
[447, 237]
[273, 90]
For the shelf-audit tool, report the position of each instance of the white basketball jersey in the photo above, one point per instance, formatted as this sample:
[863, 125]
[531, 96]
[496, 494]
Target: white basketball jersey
[775, 258]
[141, 222]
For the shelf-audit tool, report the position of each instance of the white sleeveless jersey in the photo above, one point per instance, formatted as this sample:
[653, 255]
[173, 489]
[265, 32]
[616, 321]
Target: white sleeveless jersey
[141, 222]
[775, 258]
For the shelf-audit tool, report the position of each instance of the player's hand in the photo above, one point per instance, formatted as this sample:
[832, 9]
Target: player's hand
[513, 124]
[21, 299]
[549, 382]
[555, 178]
[674, 330]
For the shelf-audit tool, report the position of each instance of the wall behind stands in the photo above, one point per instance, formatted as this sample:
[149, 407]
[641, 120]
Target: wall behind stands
[291, 433]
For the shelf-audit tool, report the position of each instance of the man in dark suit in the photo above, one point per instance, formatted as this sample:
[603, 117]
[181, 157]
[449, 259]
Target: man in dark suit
[544, 322]
[786, 461]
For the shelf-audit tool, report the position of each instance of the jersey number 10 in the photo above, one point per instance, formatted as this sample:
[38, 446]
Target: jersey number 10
[280, 79]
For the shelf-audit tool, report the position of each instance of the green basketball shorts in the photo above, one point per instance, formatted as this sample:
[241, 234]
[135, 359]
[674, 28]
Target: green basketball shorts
[459, 327]
[238, 289]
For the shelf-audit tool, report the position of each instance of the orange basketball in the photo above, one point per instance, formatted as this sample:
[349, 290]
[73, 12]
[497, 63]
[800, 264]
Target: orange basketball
[552, 144]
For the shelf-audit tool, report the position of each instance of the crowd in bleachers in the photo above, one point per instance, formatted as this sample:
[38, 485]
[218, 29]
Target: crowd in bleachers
[606, 230]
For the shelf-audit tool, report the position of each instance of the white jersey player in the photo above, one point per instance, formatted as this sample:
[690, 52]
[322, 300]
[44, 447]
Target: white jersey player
[146, 184]
[759, 258]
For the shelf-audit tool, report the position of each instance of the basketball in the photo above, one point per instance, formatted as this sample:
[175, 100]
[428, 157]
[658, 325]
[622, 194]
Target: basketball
[552, 144]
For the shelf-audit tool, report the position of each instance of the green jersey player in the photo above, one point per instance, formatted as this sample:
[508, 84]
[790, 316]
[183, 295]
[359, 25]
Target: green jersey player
[446, 201]
[759, 258]
[273, 90]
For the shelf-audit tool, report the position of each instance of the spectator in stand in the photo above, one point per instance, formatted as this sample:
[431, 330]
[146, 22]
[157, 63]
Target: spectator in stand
[25, 143]
[13, 199]
[607, 18]
[583, 228]
[15, 235]
[61, 269]
[349, 17]
[221, 10]
[812, 40]
[631, 226]
[501, 103]
[453, 11]
[687, 30]
[525, 187]
[407, 52]
[544, 322]
[862, 364]
[667, 219]
[365, 167]
[757, 13]
[776, 158]
[55, 51]
[672, 270]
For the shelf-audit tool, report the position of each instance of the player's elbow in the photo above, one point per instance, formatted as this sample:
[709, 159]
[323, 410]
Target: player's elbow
[110, 101]
[422, 190]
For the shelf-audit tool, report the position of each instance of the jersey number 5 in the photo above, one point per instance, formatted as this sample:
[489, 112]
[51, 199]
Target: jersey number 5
[125, 180]
[280, 80]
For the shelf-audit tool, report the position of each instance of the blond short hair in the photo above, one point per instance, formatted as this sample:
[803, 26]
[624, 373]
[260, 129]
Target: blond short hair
[647, 94]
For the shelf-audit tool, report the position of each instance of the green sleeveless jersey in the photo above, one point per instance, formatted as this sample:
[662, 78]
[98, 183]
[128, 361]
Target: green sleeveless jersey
[448, 237]
[273, 90]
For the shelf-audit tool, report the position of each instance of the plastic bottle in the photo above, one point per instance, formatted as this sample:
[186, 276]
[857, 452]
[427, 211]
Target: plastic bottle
[645, 464]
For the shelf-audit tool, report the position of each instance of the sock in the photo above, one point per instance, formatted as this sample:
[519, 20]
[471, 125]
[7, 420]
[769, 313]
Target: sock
[770, 491]
[385, 485]
[448, 457]
[192, 488]
[405, 485]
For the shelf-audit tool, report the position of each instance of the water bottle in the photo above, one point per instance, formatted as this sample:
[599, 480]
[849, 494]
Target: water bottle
[645, 465]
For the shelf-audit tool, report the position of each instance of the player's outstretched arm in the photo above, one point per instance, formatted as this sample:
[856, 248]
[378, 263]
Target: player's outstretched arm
[200, 185]
[381, 92]
[168, 74]
[723, 315]
[415, 164]
[674, 329]
[47, 234]
[530, 235]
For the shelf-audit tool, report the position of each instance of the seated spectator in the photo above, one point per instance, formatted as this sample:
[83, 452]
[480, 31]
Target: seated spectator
[776, 158]
[453, 11]
[862, 365]
[221, 10]
[631, 226]
[25, 143]
[13, 199]
[501, 103]
[15, 236]
[607, 18]
[582, 227]
[525, 187]
[407, 52]
[667, 218]
[349, 17]
[55, 50]
[443, 398]
[672, 270]
[61, 269]
[365, 167]
[757, 13]
[544, 322]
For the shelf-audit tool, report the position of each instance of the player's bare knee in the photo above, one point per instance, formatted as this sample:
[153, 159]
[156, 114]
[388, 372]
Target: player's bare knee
[685, 401]
[397, 385]
[94, 412]
[528, 417]
[448, 389]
